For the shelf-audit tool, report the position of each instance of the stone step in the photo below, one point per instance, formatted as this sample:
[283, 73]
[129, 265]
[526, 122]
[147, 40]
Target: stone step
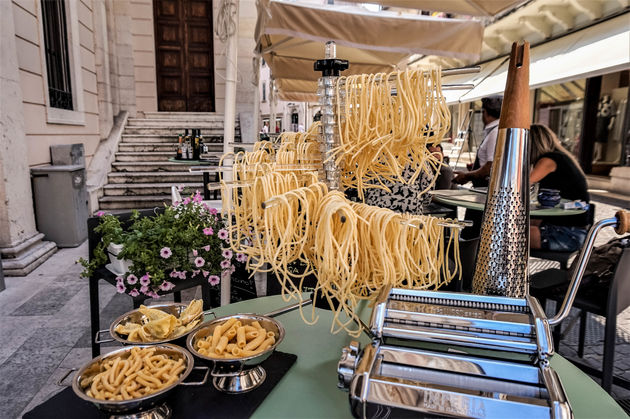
[170, 146]
[134, 202]
[173, 131]
[183, 115]
[176, 123]
[172, 178]
[148, 166]
[144, 156]
[158, 156]
[148, 189]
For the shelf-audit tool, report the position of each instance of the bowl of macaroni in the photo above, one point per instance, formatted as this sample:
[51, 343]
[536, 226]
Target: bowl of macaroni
[235, 346]
[133, 378]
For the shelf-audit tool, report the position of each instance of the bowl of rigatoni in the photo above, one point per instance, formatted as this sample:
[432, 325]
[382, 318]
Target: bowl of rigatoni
[235, 346]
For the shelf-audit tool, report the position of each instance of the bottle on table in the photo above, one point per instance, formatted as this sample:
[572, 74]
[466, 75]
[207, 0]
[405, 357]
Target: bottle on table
[195, 144]
[178, 156]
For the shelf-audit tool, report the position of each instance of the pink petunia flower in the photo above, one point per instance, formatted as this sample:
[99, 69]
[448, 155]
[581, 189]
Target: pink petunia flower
[180, 187]
[206, 248]
[144, 289]
[134, 292]
[241, 257]
[119, 279]
[225, 264]
[153, 294]
[182, 275]
[205, 273]
[208, 231]
[100, 213]
[132, 279]
[195, 253]
[213, 211]
[167, 286]
[174, 274]
[186, 201]
[144, 279]
[166, 252]
[199, 262]
[197, 197]
[214, 280]
[195, 272]
[223, 234]
[227, 254]
[120, 287]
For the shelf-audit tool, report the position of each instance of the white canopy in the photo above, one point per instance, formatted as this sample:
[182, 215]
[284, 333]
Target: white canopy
[460, 7]
[600, 49]
[291, 37]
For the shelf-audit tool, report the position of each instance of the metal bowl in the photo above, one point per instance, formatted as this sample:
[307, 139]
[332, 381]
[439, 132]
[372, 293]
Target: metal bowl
[135, 316]
[138, 404]
[237, 375]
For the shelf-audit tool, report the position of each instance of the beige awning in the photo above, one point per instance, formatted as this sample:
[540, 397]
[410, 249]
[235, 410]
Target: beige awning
[599, 49]
[291, 37]
[460, 7]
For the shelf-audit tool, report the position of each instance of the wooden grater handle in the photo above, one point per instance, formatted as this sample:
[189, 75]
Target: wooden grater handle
[623, 226]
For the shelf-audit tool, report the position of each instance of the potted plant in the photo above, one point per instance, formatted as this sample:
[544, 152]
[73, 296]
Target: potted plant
[187, 240]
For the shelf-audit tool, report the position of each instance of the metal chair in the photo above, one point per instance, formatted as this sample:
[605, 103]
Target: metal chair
[562, 257]
[551, 284]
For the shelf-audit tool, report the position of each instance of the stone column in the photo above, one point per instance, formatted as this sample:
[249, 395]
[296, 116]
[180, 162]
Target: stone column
[21, 245]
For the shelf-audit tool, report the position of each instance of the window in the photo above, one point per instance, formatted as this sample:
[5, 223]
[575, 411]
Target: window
[264, 92]
[56, 52]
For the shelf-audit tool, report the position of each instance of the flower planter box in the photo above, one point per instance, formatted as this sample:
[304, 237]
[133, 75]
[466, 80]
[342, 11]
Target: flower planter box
[117, 266]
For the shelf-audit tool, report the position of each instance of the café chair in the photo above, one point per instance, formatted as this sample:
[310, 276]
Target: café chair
[562, 257]
[552, 284]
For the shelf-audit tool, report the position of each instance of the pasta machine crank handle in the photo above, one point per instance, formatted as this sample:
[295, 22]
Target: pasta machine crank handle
[621, 221]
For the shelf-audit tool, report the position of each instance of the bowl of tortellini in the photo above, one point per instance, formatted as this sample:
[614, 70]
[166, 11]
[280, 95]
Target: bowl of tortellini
[155, 324]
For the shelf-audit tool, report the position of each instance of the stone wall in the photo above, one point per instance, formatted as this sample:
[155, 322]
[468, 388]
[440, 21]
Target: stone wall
[143, 43]
[45, 125]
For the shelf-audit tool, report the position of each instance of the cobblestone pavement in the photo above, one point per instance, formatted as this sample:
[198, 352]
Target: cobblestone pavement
[44, 328]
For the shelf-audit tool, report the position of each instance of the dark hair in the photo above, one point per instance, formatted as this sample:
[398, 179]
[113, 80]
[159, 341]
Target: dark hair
[492, 105]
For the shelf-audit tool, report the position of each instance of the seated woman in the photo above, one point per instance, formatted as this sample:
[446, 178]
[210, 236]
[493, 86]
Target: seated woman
[555, 168]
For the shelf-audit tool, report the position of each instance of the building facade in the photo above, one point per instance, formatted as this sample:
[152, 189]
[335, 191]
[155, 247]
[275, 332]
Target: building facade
[71, 68]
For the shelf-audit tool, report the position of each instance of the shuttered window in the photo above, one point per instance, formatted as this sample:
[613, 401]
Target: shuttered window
[57, 60]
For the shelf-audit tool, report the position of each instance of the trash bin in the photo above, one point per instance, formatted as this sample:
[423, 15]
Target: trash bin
[61, 203]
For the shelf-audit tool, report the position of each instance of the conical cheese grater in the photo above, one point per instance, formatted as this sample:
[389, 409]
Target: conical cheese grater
[504, 246]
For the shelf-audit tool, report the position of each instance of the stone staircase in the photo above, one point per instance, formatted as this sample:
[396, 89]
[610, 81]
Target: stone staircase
[141, 175]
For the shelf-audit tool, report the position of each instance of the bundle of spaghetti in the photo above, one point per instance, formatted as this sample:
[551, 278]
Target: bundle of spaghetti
[381, 133]
[251, 232]
[334, 259]
[293, 214]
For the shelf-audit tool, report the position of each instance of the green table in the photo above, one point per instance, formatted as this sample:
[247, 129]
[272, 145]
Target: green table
[470, 199]
[309, 390]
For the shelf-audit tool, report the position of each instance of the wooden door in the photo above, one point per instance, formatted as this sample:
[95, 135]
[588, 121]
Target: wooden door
[184, 55]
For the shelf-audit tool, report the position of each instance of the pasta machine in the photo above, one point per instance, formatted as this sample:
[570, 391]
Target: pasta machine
[396, 374]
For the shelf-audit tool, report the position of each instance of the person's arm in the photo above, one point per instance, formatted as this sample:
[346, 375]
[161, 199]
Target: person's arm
[541, 169]
[481, 173]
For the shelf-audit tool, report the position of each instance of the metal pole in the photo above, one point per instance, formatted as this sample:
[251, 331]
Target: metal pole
[329, 134]
[231, 74]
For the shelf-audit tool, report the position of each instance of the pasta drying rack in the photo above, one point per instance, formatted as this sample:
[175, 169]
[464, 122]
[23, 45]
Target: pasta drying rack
[400, 371]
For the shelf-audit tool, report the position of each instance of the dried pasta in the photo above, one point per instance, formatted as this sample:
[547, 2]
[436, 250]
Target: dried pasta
[233, 339]
[158, 325]
[133, 374]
